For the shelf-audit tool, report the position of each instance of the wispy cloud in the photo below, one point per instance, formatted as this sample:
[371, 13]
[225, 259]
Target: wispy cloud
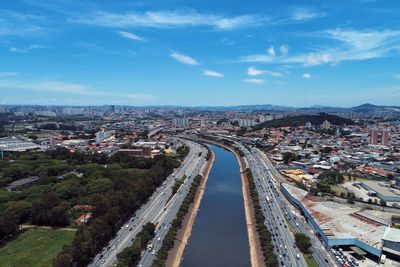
[271, 51]
[351, 45]
[14, 23]
[304, 14]
[306, 75]
[253, 71]
[67, 88]
[103, 50]
[8, 73]
[212, 73]
[131, 36]
[27, 48]
[284, 49]
[167, 19]
[184, 58]
[254, 81]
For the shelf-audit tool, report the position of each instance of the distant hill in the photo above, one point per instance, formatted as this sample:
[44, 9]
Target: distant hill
[301, 120]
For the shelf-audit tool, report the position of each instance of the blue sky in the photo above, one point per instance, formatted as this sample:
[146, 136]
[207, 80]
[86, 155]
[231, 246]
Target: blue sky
[192, 52]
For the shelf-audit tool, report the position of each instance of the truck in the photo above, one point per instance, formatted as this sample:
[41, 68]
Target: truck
[150, 247]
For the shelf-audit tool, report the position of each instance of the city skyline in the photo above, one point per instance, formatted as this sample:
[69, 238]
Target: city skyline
[188, 53]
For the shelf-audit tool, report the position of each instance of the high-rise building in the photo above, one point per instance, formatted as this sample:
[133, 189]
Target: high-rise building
[246, 123]
[385, 135]
[180, 122]
[326, 125]
[373, 136]
[103, 135]
[269, 117]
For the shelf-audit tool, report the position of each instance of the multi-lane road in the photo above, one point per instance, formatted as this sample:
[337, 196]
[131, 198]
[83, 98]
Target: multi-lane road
[283, 240]
[321, 255]
[160, 209]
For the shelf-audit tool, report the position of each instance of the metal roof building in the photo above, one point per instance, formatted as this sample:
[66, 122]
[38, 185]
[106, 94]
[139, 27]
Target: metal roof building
[342, 225]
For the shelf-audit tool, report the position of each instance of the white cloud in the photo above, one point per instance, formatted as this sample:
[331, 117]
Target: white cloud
[284, 49]
[130, 36]
[26, 48]
[167, 19]
[253, 71]
[8, 73]
[184, 58]
[307, 75]
[304, 14]
[67, 88]
[212, 73]
[271, 51]
[19, 24]
[254, 81]
[351, 45]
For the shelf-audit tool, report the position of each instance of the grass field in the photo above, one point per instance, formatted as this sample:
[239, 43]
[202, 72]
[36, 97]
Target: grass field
[310, 260]
[34, 248]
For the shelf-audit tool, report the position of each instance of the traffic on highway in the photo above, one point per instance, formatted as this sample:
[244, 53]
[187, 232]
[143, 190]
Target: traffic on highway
[160, 209]
[283, 240]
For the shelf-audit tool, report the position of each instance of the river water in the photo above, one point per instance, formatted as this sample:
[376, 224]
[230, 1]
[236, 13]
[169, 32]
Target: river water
[219, 235]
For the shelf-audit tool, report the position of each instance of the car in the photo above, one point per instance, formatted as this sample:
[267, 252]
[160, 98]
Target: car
[153, 252]
[112, 247]
[130, 229]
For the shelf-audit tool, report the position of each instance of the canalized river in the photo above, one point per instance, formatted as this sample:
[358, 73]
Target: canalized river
[219, 236]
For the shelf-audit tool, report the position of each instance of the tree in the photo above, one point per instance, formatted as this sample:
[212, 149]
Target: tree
[82, 247]
[289, 157]
[64, 259]
[302, 242]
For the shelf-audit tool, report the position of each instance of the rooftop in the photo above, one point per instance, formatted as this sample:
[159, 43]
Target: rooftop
[340, 221]
[382, 190]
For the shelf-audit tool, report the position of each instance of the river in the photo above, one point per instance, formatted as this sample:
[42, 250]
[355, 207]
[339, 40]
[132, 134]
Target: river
[219, 236]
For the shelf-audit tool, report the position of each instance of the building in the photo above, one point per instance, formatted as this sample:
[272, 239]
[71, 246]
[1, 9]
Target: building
[14, 144]
[25, 182]
[246, 122]
[180, 122]
[383, 191]
[103, 135]
[269, 117]
[391, 241]
[342, 225]
[373, 136]
[385, 135]
[326, 125]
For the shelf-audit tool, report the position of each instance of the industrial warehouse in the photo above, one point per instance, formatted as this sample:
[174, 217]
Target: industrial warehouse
[346, 225]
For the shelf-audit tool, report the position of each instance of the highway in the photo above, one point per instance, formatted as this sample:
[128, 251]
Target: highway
[171, 211]
[160, 209]
[293, 216]
[283, 240]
